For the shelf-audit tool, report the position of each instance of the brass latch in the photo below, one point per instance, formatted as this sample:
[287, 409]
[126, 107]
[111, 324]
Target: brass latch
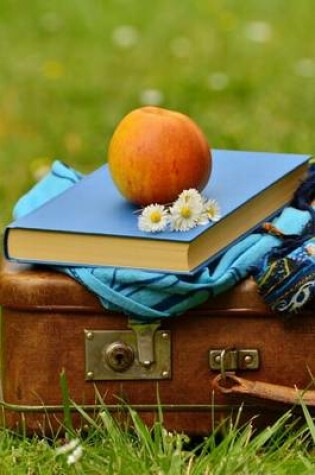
[145, 341]
[143, 352]
[232, 359]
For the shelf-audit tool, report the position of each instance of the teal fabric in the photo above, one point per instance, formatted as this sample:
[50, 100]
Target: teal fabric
[149, 295]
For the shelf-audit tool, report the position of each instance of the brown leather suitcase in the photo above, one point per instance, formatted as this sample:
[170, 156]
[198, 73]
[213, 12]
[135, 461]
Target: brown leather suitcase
[201, 366]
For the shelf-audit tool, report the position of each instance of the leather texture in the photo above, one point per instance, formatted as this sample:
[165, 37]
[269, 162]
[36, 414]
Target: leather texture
[23, 286]
[26, 287]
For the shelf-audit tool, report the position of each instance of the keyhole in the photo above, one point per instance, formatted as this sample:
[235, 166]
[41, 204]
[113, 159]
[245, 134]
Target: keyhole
[119, 356]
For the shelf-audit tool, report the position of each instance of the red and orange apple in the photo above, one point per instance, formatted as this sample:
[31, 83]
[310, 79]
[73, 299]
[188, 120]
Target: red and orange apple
[155, 154]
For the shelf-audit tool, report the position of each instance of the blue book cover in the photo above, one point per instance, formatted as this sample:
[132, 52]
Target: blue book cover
[92, 224]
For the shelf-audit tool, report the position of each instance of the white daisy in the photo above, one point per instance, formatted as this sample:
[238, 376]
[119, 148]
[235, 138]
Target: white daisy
[186, 211]
[211, 211]
[154, 218]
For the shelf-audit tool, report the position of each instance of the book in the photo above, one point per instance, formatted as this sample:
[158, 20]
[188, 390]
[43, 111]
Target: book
[91, 224]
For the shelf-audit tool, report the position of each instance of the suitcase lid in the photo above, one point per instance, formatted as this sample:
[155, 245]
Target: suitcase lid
[38, 287]
[28, 287]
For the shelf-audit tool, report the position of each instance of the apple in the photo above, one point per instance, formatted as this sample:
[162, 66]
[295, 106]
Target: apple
[155, 154]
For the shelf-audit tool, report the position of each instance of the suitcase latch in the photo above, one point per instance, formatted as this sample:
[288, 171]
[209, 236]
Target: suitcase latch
[143, 352]
[233, 359]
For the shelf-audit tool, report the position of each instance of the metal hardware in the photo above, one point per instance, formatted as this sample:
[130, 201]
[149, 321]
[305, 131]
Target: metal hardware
[145, 341]
[228, 356]
[138, 354]
[248, 359]
[119, 356]
[233, 359]
[89, 375]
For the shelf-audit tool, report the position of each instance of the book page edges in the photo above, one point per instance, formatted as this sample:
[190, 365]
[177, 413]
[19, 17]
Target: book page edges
[95, 250]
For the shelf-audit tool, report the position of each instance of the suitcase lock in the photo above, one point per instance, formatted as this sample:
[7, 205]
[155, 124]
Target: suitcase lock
[119, 356]
[143, 352]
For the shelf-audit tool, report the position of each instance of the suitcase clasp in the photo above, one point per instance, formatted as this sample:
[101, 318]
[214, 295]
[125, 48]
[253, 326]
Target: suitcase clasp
[145, 341]
[233, 359]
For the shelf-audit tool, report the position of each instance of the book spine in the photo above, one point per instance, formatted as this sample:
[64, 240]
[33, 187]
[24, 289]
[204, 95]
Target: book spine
[5, 245]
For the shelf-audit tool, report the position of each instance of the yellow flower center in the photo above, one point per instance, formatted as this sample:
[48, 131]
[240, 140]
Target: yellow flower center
[185, 212]
[156, 216]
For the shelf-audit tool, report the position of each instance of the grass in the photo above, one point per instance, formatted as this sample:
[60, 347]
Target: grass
[106, 444]
[112, 449]
[70, 71]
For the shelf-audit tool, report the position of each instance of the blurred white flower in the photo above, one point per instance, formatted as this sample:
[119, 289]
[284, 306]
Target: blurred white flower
[305, 67]
[154, 218]
[258, 31]
[185, 212]
[75, 456]
[40, 172]
[125, 36]
[68, 447]
[153, 97]
[40, 167]
[181, 47]
[73, 449]
[218, 81]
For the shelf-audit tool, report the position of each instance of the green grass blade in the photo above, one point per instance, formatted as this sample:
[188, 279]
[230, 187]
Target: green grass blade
[309, 420]
[66, 403]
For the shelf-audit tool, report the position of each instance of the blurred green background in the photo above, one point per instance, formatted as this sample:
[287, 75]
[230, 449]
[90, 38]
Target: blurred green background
[71, 69]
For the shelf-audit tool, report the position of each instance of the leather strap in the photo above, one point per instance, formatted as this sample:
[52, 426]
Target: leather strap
[232, 384]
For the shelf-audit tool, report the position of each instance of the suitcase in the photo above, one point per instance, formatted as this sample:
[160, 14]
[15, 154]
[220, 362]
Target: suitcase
[199, 368]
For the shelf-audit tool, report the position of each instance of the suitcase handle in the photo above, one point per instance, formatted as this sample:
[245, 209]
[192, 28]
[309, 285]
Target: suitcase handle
[229, 383]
